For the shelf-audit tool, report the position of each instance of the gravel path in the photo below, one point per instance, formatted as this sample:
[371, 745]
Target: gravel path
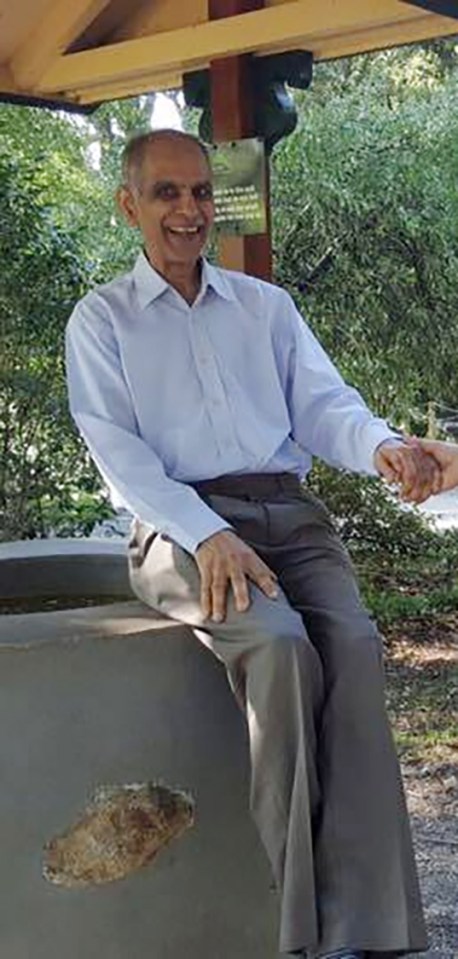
[432, 795]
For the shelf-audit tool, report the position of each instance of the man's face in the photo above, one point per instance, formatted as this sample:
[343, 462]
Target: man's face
[171, 202]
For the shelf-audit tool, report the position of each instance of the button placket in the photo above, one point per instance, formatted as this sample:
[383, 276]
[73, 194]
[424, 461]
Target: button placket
[213, 387]
[208, 376]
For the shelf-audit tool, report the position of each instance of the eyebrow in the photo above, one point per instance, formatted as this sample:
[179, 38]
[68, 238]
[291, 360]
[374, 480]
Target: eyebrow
[160, 184]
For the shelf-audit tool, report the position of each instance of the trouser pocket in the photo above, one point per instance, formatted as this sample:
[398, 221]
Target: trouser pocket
[141, 539]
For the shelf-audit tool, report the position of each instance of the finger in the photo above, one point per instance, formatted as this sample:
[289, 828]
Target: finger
[386, 468]
[391, 477]
[266, 580]
[416, 475]
[205, 595]
[429, 474]
[438, 481]
[428, 446]
[219, 587]
[421, 490]
[414, 492]
[434, 483]
[240, 589]
[408, 473]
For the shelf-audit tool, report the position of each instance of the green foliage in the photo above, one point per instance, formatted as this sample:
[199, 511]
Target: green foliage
[365, 205]
[390, 607]
[60, 235]
[366, 225]
[45, 272]
[366, 239]
[405, 567]
[369, 517]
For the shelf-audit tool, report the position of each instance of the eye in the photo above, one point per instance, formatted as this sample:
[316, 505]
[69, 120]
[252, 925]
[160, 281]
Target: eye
[166, 191]
[204, 191]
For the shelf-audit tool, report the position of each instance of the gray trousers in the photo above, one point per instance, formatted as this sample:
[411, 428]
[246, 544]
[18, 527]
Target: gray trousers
[307, 671]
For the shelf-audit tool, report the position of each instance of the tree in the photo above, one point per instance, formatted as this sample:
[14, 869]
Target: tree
[60, 235]
[365, 212]
[366, 225]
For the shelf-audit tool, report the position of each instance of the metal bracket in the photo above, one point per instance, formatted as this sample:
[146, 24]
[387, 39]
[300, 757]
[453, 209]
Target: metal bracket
[275, 114]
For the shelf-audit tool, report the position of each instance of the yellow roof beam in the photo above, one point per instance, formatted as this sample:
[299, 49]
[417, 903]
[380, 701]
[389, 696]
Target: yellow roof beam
[160, 16]
[332, 48]
[181, 49]
[118, 91]
[63, 22]
[392, 35]
[311, 24]
[7, 84]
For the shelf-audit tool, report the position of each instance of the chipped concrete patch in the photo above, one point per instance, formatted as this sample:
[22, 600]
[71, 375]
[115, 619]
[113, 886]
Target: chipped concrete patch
[122, 829]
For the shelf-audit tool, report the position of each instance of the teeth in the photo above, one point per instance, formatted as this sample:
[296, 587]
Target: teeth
[184, 229]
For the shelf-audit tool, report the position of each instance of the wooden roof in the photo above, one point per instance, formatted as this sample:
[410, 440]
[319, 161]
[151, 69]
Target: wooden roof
[86, 51]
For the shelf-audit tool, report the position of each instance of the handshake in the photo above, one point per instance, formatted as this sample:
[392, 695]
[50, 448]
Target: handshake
[419, 468]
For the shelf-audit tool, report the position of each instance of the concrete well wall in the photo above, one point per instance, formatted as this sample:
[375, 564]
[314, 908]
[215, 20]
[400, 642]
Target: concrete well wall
[115, 694]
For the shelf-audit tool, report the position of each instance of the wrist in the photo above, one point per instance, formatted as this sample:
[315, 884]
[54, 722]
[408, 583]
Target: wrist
[209, 539]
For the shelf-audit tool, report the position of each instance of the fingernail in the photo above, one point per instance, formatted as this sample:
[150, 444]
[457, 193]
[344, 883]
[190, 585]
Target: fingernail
[273, 593]
[217, 618]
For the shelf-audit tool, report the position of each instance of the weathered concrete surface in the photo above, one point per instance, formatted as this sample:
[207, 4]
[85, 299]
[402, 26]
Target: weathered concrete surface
[122, 829]
[70, 625]
[89, 699]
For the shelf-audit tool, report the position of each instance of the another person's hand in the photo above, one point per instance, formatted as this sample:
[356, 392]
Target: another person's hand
[410, 467]
[446, 457]
[225, 560]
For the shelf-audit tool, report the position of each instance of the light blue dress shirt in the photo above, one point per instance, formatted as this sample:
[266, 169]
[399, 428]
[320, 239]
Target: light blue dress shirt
[165, 393]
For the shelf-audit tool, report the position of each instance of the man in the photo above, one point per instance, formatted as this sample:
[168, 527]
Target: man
[202, 396]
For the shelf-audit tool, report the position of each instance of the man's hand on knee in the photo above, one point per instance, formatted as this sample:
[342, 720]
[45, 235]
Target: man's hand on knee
[225, 560]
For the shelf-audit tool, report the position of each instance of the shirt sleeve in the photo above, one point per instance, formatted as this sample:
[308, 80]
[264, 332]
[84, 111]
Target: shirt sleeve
[329, 418]
[101, 405]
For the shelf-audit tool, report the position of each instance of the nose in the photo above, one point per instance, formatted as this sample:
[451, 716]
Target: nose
[187, 203]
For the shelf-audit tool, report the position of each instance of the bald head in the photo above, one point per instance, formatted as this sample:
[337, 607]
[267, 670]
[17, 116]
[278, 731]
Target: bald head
[143, 144]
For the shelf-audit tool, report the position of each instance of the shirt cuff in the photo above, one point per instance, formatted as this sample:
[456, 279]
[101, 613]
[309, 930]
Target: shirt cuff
[206, 526]
[378, 433]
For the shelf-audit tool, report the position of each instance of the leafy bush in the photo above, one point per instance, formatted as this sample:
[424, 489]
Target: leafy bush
[369, 517]
[41, 459]
[366, 225]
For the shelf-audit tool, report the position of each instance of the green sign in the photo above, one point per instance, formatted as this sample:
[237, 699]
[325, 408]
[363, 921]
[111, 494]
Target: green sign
[239, 186]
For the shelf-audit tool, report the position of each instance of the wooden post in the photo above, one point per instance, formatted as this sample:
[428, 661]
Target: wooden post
[233, 119]
[432, 421]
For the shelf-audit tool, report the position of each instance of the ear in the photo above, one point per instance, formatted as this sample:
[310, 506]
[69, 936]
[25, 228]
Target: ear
[127, 205]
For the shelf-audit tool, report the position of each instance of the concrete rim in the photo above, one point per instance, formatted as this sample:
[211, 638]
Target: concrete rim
[77, 567]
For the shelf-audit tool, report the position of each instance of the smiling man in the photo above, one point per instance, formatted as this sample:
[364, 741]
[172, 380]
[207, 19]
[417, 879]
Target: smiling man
[167, 193]
[202, 396]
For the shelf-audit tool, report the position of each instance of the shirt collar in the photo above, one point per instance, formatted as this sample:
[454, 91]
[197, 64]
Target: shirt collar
[216, 278]
[150, 285]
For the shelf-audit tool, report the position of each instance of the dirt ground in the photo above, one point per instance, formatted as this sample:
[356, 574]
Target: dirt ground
[422, 687]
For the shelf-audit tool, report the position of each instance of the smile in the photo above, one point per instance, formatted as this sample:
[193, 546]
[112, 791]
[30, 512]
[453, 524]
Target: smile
[185, 230]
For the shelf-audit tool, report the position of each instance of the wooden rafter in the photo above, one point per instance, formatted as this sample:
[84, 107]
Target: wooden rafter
[328, 28]
[132, 88]
[380, 38]
[64, 21]
[7, 84]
